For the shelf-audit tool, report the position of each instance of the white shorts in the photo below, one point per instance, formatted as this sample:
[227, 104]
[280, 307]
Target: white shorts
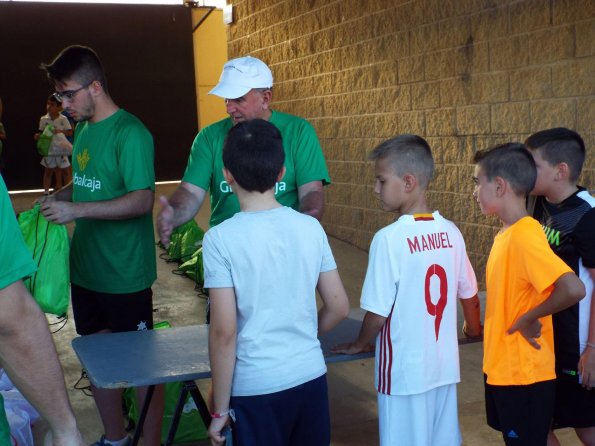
[55, 161]
[428, 418]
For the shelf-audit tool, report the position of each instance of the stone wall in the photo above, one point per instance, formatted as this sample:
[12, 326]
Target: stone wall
[464, 74]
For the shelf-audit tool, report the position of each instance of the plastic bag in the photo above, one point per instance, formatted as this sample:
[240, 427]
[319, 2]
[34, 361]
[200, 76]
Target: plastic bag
[19, 412]
[60, 145]
[191, 426]
[49, 245]
[45, 140]
[20, 427]
[14, 400]
[5, 382]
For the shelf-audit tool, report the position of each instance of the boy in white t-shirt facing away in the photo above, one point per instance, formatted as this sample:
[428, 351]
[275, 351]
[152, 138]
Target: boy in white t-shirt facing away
[262, 268]
[417, 268]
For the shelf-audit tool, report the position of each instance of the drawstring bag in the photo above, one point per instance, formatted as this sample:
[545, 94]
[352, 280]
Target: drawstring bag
[193, 268]
[49, 245]
[184, 241]
[45, 140]
[185, 248]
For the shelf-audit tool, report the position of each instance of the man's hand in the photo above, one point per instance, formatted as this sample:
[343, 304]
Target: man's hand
[44, 199]
[165, 221]
[311, 198]
[352, 348]
[215, 428]
[530, 329]
[60, 212]
[586, 368]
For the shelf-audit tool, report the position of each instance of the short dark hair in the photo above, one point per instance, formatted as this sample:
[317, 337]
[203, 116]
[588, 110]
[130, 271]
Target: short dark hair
[76, 62]
[253, 154]
[407, 154]
[511, 161]
[54, 99]
[560, 145]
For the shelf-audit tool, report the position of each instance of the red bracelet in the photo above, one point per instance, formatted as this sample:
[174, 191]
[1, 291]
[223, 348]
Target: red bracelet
[220, 414]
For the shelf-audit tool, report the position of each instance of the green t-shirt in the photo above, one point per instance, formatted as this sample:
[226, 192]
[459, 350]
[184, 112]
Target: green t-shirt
[304, 162]
[16, 262]
[111, 158]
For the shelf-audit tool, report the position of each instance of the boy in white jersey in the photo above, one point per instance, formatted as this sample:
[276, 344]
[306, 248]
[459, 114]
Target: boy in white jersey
[263, 267]
[417, 268]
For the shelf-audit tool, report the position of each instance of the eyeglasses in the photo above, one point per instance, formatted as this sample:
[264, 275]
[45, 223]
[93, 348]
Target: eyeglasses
[69, 94]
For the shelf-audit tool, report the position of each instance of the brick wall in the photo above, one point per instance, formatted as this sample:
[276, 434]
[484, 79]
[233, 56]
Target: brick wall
[464, 74]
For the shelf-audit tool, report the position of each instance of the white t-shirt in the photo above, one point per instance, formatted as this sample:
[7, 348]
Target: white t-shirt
[417, 268]
[60, 123]
[273, 260]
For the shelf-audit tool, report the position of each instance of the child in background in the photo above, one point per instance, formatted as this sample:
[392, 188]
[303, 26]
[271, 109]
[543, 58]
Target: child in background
[567, 215]
[56, 166]
[525, 282]
[263, 267]
[418, 267]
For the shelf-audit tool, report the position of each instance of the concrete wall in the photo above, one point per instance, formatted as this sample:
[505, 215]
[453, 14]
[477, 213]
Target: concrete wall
[464, 74]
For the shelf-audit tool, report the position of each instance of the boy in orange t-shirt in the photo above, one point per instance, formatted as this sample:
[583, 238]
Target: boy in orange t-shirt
[526, 282]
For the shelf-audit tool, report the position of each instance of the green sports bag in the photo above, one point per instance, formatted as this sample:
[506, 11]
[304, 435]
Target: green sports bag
[45, 140]
[184, 241]
[50, 247]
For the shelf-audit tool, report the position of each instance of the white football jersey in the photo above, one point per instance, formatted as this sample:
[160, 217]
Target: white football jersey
[418, 267]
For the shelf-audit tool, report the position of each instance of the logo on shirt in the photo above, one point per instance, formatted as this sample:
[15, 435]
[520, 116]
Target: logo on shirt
[88, 183]
[225, 188]
[82, 159]
[553, 235]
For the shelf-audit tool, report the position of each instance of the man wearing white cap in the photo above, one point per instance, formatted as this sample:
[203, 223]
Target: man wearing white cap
[246, 85]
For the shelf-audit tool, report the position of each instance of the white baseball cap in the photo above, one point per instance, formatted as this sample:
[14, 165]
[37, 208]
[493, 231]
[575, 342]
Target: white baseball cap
[241, 75]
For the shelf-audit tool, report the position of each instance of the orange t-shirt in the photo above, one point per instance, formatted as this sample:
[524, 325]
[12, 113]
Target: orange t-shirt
[520, 274]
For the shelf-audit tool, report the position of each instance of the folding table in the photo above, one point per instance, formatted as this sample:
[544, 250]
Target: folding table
[152, 357]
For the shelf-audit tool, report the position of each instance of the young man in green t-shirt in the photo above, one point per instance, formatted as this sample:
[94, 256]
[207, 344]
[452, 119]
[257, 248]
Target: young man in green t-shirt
[111, 198]
[246, 85]
[27, 352]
